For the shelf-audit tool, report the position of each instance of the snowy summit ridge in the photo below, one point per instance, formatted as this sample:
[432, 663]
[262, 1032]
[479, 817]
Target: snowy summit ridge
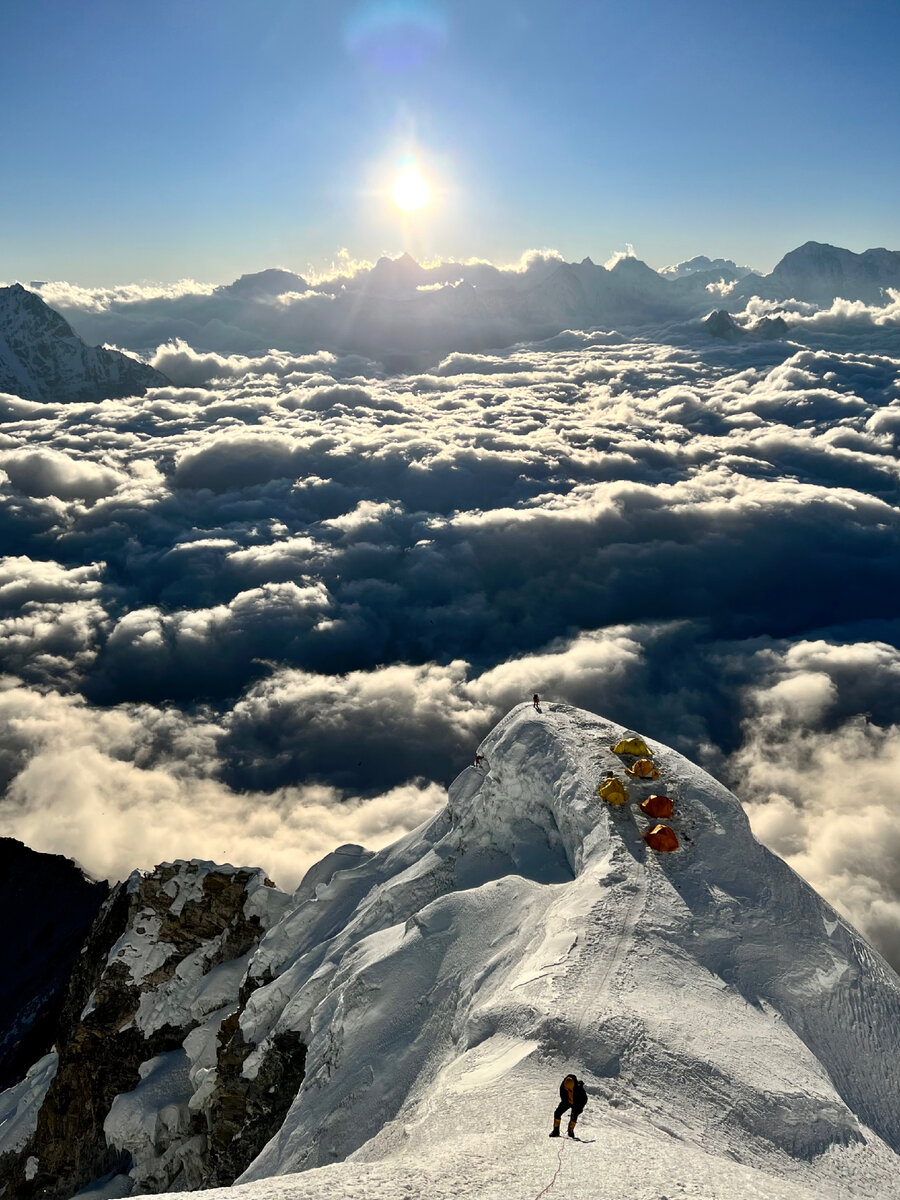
[709, 998]
[736, 1036]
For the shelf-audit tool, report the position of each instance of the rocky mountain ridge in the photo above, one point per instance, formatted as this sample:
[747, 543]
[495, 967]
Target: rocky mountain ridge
[160, 971]
[54, 906]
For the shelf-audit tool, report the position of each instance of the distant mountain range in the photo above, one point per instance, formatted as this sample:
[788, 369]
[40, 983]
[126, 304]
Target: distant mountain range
[401, 313]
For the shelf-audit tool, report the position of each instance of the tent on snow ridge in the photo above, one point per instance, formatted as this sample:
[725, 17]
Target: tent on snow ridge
[657, 806]
[661, 838]
[643, 769]
[612, 790]
[632, 745]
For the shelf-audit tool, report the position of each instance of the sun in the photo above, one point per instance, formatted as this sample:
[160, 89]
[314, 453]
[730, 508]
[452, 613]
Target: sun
[411, 191]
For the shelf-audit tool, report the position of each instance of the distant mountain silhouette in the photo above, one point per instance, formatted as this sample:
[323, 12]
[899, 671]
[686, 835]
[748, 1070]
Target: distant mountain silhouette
[409, 316]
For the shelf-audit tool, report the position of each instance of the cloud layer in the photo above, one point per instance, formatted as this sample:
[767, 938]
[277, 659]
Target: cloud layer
[275, 606]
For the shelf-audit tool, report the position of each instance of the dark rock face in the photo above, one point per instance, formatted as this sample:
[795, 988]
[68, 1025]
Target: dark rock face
[42, 358]
[771, 327]
[721, 324]
[123, 1009]
[244, 1113]
[54, 906]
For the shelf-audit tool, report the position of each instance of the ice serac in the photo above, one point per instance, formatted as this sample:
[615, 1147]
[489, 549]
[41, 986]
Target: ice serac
[41, 358]
[735, 1034]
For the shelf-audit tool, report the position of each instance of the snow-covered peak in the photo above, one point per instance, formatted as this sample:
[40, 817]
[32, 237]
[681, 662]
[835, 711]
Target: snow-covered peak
[402, 1029]
[262, 285]
[701, 264]
[528, 930]
[41, 358]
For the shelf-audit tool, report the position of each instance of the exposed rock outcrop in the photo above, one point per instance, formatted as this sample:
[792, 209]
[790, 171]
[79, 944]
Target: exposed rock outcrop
[164, 959]
[243, 1113]
[721, 324]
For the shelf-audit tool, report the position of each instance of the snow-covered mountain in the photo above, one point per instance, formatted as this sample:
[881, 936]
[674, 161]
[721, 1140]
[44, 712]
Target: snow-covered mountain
[409, 316]
[402, 1027]
[41, 358]
[819, 273]
[724, 267]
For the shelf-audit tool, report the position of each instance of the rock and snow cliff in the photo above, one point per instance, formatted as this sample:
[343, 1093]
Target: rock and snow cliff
[41, 358]
[412, 1011]
[160, 972]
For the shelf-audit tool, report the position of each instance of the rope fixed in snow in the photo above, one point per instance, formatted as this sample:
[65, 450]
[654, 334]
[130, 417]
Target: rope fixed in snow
[556, 1173]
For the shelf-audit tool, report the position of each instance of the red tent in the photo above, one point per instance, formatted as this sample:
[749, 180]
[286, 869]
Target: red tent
[657, 806]
[661, 838]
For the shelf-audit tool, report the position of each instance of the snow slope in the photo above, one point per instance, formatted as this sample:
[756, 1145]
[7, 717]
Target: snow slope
[737, 1038]
[41, 358]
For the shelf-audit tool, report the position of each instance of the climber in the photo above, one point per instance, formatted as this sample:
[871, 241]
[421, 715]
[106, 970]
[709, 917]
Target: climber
[535, 700]
[479, 759]
[571, 1095]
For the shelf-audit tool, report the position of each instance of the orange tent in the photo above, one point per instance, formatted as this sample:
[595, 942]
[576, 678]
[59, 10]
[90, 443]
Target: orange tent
[643, 769]
[657, 806]
[661, 838]
[612, 790]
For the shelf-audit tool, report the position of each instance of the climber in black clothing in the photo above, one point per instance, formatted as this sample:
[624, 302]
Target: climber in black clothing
[571, 1095]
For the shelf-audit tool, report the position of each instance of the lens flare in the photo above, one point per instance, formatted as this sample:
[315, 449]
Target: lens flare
[411, 191]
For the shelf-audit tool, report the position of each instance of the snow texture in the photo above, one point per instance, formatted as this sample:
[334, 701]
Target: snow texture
[41, 358]
[19, 1104]
[736, 1036]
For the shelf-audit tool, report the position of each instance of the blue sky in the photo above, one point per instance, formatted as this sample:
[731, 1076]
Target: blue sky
[192, 138]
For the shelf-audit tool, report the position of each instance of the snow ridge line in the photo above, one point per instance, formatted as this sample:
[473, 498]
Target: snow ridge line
[574, 736]
[555, 1175]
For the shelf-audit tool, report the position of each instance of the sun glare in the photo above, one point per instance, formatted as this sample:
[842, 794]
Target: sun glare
[411, 191]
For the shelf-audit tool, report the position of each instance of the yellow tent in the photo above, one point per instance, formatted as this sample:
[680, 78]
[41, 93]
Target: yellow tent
[612, 790]
[632, 745]
[643, 769]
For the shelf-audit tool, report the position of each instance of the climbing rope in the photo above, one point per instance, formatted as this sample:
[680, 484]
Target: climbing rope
[556, 1173]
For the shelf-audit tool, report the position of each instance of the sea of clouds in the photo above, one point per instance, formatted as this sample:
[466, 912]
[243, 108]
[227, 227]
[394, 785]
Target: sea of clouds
[273, 607]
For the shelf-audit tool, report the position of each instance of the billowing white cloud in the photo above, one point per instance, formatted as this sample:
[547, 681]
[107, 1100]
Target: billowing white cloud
[820, 777]
[276, 605]
[47, 472]
[60, 294]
